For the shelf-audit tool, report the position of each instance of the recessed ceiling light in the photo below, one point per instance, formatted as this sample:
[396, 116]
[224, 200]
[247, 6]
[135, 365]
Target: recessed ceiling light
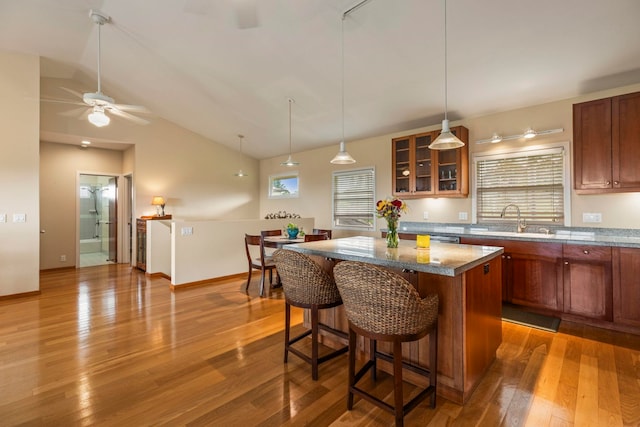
[85, 142]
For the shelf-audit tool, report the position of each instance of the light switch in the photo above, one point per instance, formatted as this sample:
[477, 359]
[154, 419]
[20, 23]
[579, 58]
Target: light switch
[591, 217]
[462, 216]
[19, 217]
[425, 215]
[186, 231]
[3, 217]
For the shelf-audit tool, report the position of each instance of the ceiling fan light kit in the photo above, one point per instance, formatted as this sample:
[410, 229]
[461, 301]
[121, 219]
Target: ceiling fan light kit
[98, 117]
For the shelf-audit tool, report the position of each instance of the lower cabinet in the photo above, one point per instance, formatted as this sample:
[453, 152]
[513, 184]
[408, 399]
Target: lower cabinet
[588, 285]
[626, 286]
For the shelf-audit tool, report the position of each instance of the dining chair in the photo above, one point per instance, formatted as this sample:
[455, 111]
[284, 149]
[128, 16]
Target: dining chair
[315, 237]
[258, 260]
[270, 233]
[322, 230]
[307, 285]
[382, 306]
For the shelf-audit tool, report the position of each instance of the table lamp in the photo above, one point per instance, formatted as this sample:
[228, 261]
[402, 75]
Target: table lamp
[158, 202]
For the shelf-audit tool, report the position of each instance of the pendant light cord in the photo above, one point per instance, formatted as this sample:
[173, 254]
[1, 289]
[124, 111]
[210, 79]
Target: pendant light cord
[99, 43]
[446, 107]
[342, 75]
[290, 100]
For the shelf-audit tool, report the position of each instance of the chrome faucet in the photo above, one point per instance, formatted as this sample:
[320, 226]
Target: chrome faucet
[521, 224]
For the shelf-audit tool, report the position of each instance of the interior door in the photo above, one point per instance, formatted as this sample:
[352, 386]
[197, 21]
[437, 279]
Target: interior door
[113, 219]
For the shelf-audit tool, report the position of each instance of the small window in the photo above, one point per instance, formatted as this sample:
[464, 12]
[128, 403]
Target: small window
[283, 186]
[354, 199]
[535, 181]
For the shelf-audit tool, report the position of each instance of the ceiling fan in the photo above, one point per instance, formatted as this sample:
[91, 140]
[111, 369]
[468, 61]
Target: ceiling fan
[99, 103]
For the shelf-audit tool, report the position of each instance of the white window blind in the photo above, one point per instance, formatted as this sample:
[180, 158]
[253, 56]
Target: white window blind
[534, 181]
[353, 198]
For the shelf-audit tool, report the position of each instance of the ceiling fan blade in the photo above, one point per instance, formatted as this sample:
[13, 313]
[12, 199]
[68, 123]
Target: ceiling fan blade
[72, 92]
[132, 108]
[73, 113]
[61, 101]
[128, 116]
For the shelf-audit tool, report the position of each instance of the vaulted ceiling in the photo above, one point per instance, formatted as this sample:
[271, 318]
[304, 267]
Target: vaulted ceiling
[224, 67]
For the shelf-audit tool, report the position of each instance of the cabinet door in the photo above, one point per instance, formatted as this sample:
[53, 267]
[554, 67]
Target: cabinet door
[626, 286]
[592, 145]
[141, 244]
[588, 284]
[402, 161]
[451, 172]
[423, 164]
[626, 141]
[535, 280]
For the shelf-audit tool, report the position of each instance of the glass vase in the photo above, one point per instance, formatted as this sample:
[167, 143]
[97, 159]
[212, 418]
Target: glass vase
[392, 232]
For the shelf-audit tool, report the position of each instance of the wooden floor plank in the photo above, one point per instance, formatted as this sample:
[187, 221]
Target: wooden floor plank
[110, 346]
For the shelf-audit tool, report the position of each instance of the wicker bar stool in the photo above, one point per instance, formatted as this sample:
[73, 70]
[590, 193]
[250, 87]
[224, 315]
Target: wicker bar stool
[383, 306]
[307, 285]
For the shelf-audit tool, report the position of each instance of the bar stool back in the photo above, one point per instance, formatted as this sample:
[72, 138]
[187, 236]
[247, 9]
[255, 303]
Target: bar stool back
[383, 306]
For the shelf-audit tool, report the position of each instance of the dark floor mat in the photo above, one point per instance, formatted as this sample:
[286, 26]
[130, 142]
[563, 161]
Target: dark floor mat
[521, 317]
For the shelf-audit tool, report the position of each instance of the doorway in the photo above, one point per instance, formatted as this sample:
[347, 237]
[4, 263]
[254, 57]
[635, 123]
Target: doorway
[97, 219]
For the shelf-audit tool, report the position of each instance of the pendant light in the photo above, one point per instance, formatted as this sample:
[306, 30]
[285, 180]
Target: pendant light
[290, 162]
[343, 157]
[446, 140]
[240, 173]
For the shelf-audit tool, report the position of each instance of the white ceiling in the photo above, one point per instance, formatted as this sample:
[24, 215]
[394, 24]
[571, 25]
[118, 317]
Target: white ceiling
[193, 63]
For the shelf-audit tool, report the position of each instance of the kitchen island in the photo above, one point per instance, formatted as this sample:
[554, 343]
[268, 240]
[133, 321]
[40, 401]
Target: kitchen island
[467, 279]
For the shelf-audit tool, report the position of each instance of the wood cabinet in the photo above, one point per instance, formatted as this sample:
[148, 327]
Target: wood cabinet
[531, 272]
[418, 171]
[607, 145]
[141, 239]
[588, 286]
[626, 286]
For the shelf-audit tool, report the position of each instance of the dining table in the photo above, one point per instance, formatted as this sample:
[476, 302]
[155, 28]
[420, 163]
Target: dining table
[280, 241]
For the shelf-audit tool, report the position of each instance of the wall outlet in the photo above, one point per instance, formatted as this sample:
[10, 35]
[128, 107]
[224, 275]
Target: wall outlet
[19, 217]
[425, 215]
[63, 258]
[186, 231]
[463, 216]
[591, 217]
[3, 217]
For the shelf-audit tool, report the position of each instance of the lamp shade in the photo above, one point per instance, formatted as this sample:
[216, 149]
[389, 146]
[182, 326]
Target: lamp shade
[446, 140]
[343, 157]
[157, 201]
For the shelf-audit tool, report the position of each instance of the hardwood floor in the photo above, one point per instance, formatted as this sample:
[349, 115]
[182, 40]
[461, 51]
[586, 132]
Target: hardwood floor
[108, 346]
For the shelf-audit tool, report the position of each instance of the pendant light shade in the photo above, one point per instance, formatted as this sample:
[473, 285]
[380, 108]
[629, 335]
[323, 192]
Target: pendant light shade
[290, 162]
[446, 140]
[240, 173]
[343, 158]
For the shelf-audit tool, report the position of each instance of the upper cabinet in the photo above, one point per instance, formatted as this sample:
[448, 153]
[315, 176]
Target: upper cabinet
[606, 150]
[420, 172]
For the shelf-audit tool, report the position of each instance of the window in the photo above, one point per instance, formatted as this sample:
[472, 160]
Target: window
[535, 181]
[283, 186]
[354, 198]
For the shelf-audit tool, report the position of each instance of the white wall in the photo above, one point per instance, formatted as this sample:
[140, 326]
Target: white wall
[618, 210]
[19, 191]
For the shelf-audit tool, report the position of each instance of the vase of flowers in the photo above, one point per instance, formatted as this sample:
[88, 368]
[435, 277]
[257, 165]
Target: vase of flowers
[292, 230]
[390, 210]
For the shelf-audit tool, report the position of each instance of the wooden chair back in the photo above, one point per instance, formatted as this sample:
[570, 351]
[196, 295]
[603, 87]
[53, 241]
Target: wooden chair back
[315, 237]
[322, 230]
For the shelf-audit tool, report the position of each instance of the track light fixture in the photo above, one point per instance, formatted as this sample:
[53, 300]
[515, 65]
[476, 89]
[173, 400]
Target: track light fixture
[528, 134]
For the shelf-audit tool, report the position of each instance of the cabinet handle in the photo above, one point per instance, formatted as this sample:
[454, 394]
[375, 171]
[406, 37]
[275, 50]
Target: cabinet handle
[508, 256]
[586, 252]
[616, 183]
[608, 183]
[566, 263]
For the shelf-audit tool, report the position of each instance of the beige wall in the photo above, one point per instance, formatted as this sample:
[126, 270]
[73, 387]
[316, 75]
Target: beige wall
[19, 110]
[618, 210]
[60, 165]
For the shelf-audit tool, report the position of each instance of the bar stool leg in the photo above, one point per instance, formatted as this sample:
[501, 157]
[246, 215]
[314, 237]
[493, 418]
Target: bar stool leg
[397, 383]
[287, 332]
[373, 349]
[433, 362]
[352, 367]
[314, 342]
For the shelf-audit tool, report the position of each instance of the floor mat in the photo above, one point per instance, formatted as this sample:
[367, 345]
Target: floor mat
[533, 320]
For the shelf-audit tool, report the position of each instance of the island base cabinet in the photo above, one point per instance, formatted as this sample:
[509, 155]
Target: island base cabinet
[626, 287]
[469, 302]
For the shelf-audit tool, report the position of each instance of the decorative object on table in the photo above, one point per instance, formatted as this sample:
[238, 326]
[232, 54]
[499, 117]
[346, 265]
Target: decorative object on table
[292, 230]
[423, 241]
[158, 202]
[281, 214]
[390, 210]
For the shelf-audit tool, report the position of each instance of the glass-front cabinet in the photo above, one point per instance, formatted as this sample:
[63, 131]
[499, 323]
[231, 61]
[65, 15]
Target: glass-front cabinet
[421, 172]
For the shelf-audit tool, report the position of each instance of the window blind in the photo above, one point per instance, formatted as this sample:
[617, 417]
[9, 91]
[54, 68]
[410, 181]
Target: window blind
[353, 198]
[534, 181]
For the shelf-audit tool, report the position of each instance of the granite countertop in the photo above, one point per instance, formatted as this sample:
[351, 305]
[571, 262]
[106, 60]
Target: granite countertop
[616, 237]
[445, 259]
